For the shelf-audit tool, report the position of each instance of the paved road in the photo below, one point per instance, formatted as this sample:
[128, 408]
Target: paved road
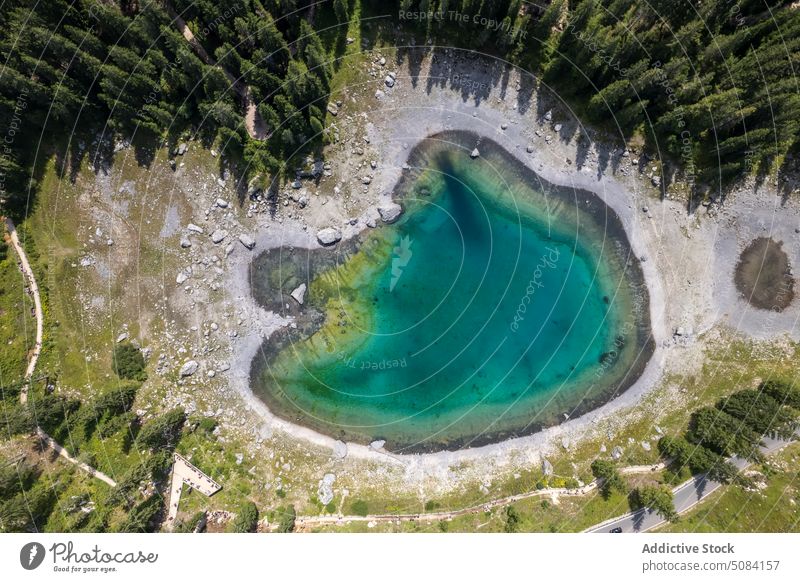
[686, 496]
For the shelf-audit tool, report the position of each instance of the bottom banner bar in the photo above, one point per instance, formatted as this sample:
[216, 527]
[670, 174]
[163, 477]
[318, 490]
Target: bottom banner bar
[369, 557]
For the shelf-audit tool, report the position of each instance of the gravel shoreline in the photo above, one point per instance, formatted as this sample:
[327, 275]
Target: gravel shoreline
[688, 257]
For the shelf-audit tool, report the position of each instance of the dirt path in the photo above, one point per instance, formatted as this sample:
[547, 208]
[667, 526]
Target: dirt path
[37, 304]
[305, 523]
[62, 452]
[253, 121]
[27, 273]
[308, 522]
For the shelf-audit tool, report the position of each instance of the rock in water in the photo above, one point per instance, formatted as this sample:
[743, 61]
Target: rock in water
[475, 153]
[299, 294]
[189, 368]
[377, 445]
[247, 241]
[329, 236]
[390, 212]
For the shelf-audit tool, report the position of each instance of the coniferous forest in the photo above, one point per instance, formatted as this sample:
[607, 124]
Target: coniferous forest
[713, 84]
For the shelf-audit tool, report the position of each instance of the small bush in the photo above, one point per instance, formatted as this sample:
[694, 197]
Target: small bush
[608, 477]
[128, 362]
[207, 425]
[142, 518]
[359, 507]
[783, 392]
[191, 524]
[655, 497]
[512, 520]
[247, 519]
[162, 432]
[287, 517]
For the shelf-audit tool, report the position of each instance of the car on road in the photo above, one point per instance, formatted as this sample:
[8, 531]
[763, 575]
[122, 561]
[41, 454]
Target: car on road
[615, 530]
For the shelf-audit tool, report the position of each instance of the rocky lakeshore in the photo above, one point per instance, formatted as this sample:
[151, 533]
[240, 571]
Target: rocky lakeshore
[687, 258]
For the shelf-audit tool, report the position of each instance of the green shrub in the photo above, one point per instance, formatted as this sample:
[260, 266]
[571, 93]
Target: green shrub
[359, 507]
[246, 519]
[190, 524]
[162, 432]
[723, 434]
[207, 424]
[142, 518]
[128, 362]
[15, 419]
[286, 519]
[608, 477]
[512, 520]
[783, 392]
[761, 412]
[655, 497]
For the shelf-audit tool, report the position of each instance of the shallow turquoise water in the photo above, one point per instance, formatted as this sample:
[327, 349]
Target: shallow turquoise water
[477, 316]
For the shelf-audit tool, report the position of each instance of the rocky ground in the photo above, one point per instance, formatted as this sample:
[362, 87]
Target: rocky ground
[188, 253]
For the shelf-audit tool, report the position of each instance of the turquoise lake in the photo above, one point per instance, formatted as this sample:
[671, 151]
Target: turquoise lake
[495, 306]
